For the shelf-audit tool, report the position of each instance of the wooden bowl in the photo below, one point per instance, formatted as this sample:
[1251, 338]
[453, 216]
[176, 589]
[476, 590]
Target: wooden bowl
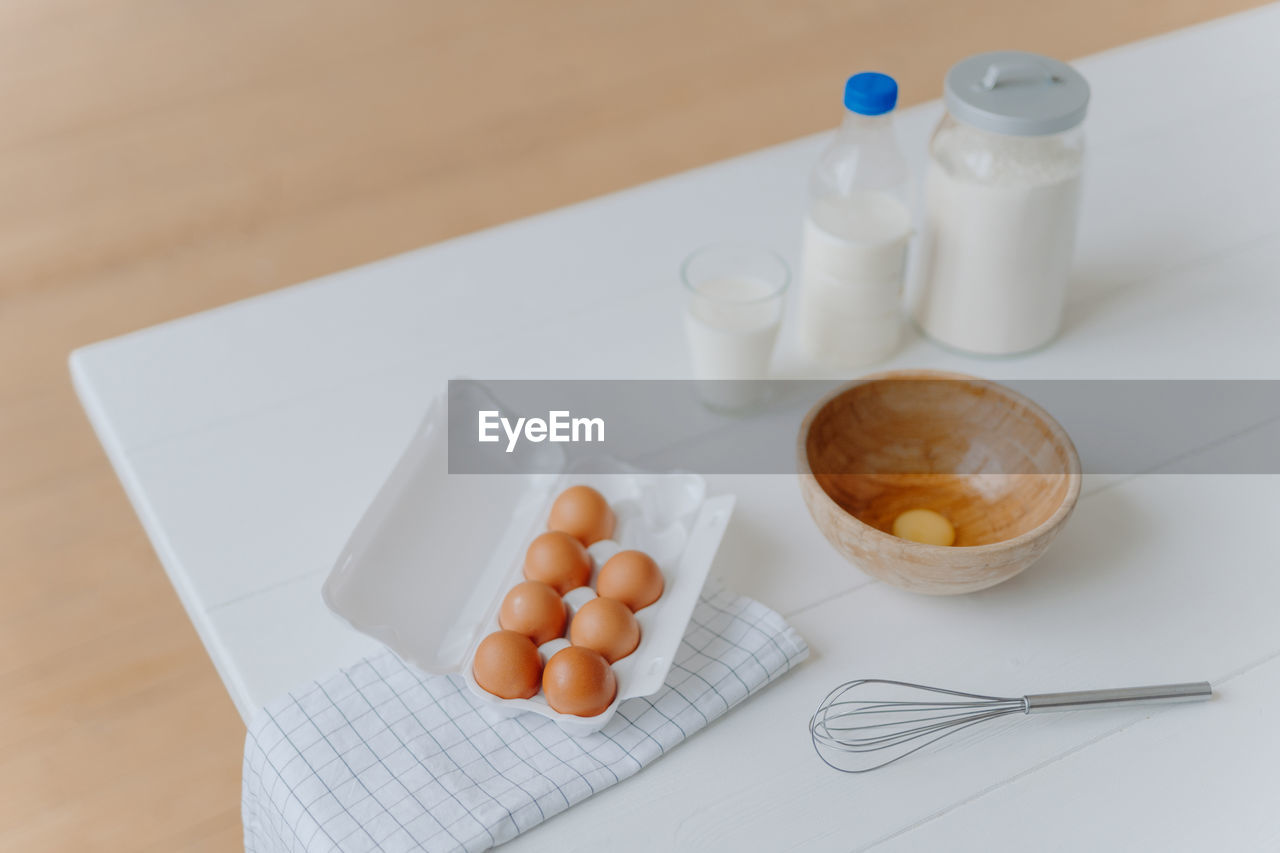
[994, 463]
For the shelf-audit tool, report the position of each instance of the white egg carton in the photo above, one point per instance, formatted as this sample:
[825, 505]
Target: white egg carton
[427, 567]
[667, 517]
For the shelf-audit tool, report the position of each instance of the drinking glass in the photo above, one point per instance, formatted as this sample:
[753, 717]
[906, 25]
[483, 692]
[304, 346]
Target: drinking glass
[733, 298]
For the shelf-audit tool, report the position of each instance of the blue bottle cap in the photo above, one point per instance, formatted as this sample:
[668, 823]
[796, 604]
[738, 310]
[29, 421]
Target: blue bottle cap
[870, 93]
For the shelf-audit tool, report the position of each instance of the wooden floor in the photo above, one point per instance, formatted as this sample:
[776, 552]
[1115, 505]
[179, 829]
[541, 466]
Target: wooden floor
[160, 158]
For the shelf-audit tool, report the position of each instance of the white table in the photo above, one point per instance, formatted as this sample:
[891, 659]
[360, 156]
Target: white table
[251, 437]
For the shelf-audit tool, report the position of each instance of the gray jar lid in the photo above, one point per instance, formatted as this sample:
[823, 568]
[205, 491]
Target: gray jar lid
[1016, 93]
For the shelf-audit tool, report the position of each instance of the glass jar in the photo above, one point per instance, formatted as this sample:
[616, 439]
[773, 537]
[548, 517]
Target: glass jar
[1002, 196]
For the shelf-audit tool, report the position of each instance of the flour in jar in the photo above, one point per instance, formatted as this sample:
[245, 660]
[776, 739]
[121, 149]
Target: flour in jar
[995, 253]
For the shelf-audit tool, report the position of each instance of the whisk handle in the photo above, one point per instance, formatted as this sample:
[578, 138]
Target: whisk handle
[1196, 691]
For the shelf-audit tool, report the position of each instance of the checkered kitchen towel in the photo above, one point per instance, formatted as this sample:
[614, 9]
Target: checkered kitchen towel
[378, 757]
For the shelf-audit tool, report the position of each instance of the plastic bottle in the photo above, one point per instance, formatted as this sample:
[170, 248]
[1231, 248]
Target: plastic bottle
[856, 234]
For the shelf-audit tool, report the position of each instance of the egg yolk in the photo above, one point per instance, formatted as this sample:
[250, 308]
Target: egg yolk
[924, 526]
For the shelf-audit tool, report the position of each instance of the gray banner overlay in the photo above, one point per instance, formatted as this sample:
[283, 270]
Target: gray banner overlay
[908, 426]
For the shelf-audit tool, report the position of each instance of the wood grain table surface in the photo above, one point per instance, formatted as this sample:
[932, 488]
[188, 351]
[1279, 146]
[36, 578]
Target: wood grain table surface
[161, 158]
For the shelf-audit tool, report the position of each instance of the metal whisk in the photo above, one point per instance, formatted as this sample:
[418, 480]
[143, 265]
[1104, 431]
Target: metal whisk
[871, 717]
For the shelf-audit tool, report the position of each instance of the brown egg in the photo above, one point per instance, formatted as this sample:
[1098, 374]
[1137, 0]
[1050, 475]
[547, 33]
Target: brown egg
[507, 665]
[583, 513]
[632, 577]
[606, 626]
[579, 681]
[534, 609]
[558, 560]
